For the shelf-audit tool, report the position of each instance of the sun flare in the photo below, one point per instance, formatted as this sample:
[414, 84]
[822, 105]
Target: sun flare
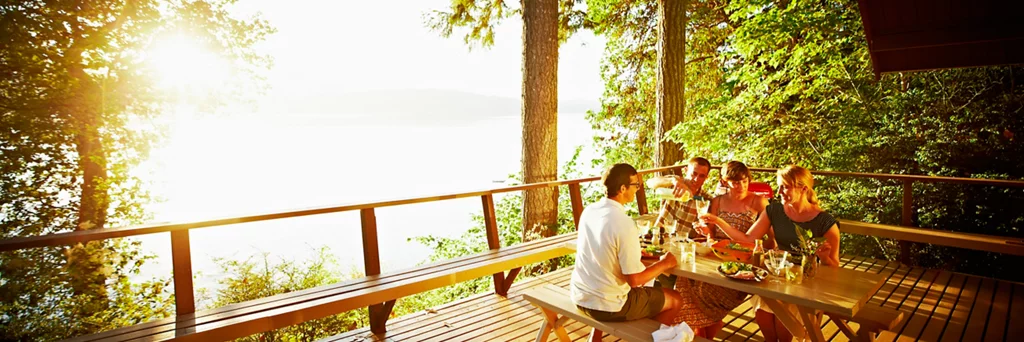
[182, 63]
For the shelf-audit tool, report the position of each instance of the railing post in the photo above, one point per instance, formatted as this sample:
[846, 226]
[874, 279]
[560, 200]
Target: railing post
[907, 220]
[493, 239]
[576, 197]
[641, 201]
[181, 260]
[371, 264]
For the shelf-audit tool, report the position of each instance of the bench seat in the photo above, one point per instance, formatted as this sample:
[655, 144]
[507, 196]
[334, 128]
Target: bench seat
[553, 301]
[265, 314]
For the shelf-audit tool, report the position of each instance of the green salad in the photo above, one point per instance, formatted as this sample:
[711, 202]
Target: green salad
[732, 267]
[653, 250]
[737, 247]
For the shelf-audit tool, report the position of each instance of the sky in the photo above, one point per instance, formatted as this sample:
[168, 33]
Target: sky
[325, 47]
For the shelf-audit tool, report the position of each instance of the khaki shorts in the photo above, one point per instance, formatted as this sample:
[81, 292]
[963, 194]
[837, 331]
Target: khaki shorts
[641, 302]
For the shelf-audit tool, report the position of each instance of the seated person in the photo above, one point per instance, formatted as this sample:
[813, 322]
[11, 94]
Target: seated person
[799, 206]
[608, 279]
[683, 213]
[703, 305]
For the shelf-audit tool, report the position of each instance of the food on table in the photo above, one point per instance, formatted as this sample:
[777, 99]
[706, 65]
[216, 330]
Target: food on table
[651, 251]
[739, 270]
[728, 250]
[738, 247]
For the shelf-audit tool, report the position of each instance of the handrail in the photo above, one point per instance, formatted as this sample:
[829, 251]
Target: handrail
[68, 238]
[916, 178]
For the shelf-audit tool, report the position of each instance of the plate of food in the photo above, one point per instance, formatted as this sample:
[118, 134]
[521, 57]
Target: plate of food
[741, 271]
[727, 250]
[651, 252]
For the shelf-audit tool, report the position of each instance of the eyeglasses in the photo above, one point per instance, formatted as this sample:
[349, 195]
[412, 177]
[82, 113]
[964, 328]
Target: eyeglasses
[635, 184]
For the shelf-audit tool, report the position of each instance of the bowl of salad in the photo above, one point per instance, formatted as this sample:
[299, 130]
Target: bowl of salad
[728, 250]
[741, 271]
[651, 252]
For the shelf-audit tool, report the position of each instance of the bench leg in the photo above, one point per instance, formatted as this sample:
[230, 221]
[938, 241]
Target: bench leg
[812, 323]
[552, 322]
[845, 328]
[379, 316]
[502, 282]
[788, 319]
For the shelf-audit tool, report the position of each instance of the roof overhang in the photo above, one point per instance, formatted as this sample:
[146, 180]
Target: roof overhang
[908, 35]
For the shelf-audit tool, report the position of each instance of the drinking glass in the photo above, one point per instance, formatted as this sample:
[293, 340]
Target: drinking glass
[776, 262]
[644, 226]
[687, 251]
[795, 273]
[702, 205]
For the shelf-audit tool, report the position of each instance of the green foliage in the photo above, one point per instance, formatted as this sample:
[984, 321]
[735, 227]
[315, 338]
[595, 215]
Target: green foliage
[479, 17]
[77, 110]
[260, 277]
[778, 82]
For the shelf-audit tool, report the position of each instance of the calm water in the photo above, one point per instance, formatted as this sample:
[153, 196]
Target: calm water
[233, 165]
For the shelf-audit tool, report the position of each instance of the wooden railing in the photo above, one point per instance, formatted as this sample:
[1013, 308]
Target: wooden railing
[907, 212]
[182, 265]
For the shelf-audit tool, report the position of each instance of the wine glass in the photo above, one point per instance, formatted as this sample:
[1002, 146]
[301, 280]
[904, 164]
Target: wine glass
[644, 226]
[702, 205]
[776, 262]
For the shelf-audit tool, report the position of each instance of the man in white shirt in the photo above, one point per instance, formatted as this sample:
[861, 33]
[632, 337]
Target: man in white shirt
[607, 282]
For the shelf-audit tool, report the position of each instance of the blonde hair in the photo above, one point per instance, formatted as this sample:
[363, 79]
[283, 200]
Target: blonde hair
[799, 176]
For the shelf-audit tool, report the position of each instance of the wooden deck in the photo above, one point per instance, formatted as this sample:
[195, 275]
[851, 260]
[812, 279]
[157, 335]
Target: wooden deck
[938, 306]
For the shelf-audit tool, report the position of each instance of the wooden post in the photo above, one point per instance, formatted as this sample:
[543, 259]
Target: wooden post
[641, 201]
[181, 259]
[371, 264]
[576, 197]
[493, 239]
[907, 220]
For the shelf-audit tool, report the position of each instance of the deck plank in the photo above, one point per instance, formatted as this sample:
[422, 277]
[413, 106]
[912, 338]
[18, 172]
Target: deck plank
[1015, 326]
[999, 314]
[936, 323]
[975, 326]
[916, 321]
[962, 311]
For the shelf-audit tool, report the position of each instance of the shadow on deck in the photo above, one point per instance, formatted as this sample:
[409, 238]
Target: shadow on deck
[938, 306]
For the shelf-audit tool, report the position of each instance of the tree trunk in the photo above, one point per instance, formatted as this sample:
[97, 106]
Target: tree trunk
[671, 73]
[540, 116]
[86, 262]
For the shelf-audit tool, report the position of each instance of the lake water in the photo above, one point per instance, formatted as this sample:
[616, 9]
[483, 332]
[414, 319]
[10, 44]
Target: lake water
[216, 166]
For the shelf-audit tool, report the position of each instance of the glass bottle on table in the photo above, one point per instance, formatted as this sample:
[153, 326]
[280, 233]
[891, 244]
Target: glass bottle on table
[757, 254]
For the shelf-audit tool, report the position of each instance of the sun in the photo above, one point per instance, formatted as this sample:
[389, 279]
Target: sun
[180, 62]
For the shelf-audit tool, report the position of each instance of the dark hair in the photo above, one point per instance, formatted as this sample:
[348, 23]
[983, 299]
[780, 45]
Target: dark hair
[616, 176]
[699, 161]
[735, 170]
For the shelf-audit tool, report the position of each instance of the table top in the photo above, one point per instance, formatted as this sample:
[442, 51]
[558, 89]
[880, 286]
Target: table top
[833, 289]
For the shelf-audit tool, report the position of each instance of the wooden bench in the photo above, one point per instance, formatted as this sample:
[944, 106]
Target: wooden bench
[554, 301]
[872, 320]
[265, 314]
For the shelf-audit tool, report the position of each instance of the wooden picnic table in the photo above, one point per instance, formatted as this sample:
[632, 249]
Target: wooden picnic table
[833, 290]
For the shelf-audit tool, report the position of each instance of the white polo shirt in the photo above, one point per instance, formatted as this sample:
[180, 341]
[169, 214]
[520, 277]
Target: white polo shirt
[607, 248]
